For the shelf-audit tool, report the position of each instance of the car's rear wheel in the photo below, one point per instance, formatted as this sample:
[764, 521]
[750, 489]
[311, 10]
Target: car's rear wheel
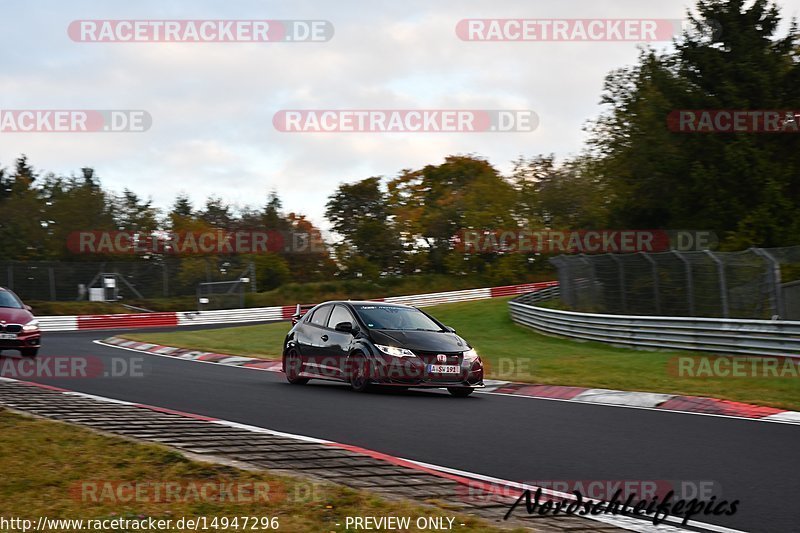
[293, 365]
[460, 392]
[358, 375]
[29, 352]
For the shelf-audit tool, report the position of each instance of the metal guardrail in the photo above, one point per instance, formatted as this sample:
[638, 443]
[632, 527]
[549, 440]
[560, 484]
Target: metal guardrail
[436, 298]
[58, 323]
[720, 335]
[228, 316]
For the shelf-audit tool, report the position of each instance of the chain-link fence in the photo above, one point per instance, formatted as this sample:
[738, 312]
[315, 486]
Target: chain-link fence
[755, 283]
[64, 281]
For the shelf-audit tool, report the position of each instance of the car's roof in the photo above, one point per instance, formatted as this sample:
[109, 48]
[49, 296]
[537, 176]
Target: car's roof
[367, 302]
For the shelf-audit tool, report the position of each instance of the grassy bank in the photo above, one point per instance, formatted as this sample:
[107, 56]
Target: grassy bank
[61, 471]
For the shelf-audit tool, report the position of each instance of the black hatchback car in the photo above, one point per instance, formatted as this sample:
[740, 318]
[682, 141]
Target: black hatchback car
[368, 343]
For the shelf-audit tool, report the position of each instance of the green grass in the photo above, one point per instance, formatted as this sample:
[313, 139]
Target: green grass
[514, 353]
[252, 341]
[48, 466]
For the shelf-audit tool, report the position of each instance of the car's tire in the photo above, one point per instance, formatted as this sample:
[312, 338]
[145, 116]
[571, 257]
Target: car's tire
[29, 352]
[460, 392]
[358, 375]
[293, 365]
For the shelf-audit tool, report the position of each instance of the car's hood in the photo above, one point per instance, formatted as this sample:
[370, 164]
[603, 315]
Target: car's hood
[15, 316]
[423, 341]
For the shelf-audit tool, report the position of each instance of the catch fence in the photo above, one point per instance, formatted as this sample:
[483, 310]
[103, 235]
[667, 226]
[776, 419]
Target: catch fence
[759, 283]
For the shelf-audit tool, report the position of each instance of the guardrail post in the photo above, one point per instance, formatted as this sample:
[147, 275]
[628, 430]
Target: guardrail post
[656, 289]
[592, 280]
[775, 280]
[723, 284]
[623, 295]
[689, 281]
[253, 287]
[564, 281]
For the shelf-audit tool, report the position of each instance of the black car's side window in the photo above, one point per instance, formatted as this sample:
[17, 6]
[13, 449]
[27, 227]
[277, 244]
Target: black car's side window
[340, 314]
[320, 316]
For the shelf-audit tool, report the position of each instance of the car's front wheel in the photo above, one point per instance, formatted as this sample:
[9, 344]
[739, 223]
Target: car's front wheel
[29, 352]
[460, 392]
[358, 375]
[293, 366]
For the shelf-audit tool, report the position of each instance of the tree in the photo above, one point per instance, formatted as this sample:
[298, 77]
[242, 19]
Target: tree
[216, 213]
[133, 214]
[433, 204]
[74, 205]
[359, 212]
[22, 222]
[272, 271]
[745, 186]
[565, 196]
[272, 216]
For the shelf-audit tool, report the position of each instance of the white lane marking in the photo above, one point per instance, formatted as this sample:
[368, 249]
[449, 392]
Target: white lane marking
[623, 522]
[256, 429]
[770, 419]
[99, 398]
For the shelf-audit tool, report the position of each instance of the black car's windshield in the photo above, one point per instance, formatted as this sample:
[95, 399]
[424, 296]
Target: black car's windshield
[9, 300]
[396, 318]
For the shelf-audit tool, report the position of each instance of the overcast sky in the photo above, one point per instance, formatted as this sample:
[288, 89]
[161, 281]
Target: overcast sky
[212, 103]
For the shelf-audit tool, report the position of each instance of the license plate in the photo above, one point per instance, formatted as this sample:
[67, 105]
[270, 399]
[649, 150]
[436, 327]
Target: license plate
[8, 336]
[444, 369]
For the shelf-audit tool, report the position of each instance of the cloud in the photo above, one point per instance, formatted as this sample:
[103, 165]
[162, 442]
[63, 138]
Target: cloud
[212, 104]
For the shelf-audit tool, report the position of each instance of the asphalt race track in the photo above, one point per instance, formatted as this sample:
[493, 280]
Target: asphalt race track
[512, 438]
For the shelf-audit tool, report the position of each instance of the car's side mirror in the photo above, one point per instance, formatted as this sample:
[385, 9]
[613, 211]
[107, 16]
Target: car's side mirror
[346, 327]
[28, 307]
[451, 330]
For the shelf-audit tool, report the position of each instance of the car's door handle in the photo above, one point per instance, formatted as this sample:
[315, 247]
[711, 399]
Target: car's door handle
[324, 337]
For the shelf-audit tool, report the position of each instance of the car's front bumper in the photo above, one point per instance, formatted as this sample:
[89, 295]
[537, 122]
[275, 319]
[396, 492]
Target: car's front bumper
[25, 339]
[409, 372]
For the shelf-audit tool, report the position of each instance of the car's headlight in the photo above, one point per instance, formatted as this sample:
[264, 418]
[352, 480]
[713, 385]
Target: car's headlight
[470, 355]
[395, 351]
[33, 325]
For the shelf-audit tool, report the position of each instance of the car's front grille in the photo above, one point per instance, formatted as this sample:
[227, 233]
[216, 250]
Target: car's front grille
[431, 358]
[10, 328]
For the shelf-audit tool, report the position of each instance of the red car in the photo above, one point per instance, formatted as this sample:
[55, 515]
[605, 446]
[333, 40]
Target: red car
[19, 329]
